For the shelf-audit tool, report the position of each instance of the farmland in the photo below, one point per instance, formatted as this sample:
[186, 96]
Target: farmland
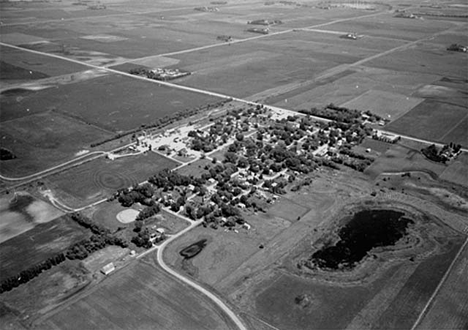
[76, 127]
[438, 121]
[38, 244]
[157, 300]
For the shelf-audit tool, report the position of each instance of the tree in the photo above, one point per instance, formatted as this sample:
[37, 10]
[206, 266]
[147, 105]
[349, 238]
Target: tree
[230, 157]
[138, 226]
[239, 137]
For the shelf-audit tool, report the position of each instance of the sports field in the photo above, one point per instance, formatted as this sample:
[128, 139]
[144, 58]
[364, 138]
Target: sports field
[100, 178]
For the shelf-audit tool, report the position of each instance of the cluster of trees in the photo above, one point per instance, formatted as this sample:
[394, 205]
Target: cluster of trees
[333, 112]
[306, 182]
[140, 194]
[100, 239]
[356, 164]
[442, 155]
[83, 248]
[168, 179]
[30, 273]
[143, 238]
[87, 223]
[148, 212]
[276, 187]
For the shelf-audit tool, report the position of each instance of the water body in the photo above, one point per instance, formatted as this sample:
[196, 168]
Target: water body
[366, 230]
[194, 249]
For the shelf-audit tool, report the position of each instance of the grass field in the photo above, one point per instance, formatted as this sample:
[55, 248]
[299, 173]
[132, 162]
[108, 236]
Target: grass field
[330, 308]
[457, 172]
[37, 244]
[434, 121]
[43, 140]
[405, 157]
[99, 178]
[142, 296]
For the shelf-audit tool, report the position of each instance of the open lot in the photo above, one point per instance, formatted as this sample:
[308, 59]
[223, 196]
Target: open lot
[100, 178]
[141, 296]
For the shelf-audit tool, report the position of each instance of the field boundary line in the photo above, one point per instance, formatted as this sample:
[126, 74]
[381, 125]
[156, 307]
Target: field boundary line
[437, 289]
[454, 127]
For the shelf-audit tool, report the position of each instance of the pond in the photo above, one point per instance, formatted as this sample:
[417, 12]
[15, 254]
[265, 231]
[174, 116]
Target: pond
[366, 230]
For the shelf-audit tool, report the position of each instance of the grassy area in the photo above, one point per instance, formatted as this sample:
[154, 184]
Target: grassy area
[457, 171]
[196, 168]
[405, 156]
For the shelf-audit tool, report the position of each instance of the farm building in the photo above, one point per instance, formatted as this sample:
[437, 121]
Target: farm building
[107, 269]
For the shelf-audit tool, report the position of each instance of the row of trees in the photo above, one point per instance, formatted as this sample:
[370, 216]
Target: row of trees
[30, 273]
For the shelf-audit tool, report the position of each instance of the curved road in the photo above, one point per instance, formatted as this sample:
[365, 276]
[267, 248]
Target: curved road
[214, 298]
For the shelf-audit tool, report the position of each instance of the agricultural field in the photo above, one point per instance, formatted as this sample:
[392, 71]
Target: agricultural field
[385, 104]
[436, 121]
[128, 104]
[449, 308]
[37, 244]
[100, 178]
[156, 300]
[66, 94]
[43, 140]
[21, 63]
[21, 212]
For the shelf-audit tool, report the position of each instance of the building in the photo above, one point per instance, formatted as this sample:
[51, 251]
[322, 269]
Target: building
[107, 269]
